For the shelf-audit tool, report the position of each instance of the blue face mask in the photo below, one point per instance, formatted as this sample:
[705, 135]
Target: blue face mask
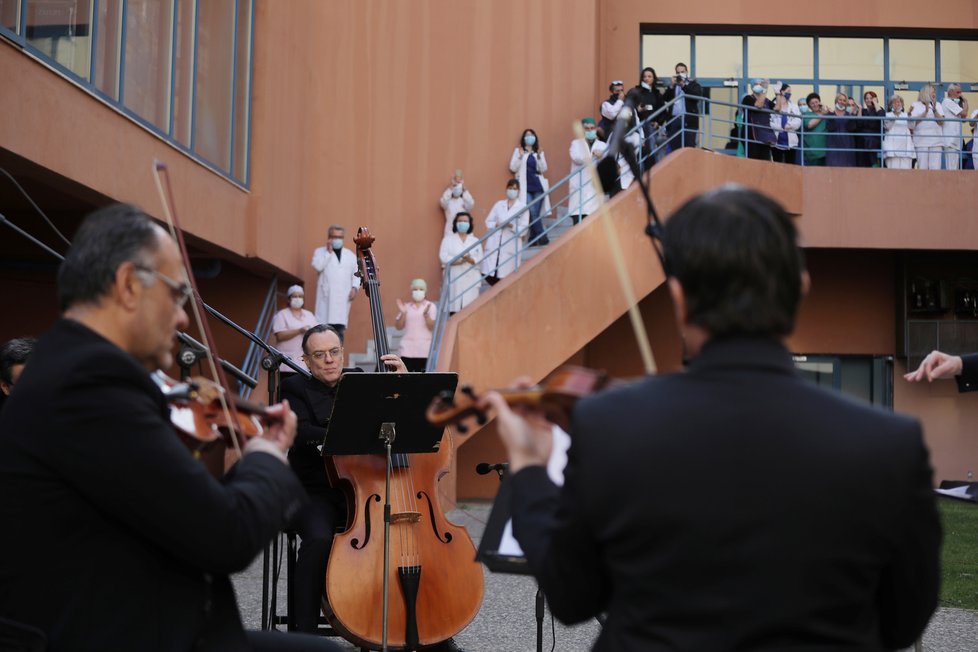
[787, 95]
[512, 193]
[337, 244]
[462, 227]
[530, 140]
[757, 88]
[590, 135]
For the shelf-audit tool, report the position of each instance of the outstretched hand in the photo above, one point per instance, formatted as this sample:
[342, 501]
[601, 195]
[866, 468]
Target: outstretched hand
[936, 365]
[526, 434]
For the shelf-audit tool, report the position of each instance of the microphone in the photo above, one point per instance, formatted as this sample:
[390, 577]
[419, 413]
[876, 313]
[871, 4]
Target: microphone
[483, 468]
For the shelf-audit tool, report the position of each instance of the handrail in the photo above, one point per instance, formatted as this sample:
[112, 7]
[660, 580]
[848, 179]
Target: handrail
[653, 145]
[254, 354]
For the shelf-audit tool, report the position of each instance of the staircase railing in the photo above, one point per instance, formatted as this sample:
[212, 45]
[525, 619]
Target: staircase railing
[263, 328]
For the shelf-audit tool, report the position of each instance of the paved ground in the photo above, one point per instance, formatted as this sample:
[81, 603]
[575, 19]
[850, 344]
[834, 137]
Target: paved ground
[506, 622]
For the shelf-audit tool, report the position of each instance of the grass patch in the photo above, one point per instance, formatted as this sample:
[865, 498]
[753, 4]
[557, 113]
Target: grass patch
[959, 555]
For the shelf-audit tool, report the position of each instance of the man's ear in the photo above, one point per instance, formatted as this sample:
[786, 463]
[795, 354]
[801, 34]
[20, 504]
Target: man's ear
[678, 301]
[128, 287]
[806, 283]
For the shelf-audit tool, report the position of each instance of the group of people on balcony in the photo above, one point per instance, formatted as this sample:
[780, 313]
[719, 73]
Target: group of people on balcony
[843, 134]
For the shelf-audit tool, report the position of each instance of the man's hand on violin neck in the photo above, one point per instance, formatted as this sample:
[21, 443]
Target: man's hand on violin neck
[526, 434]
[281, 427]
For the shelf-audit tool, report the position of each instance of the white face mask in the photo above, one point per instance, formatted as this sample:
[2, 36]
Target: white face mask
[417, 295]
[337, 244]
[295, 302]
[456, 191]
[512, 193]
[646, 86]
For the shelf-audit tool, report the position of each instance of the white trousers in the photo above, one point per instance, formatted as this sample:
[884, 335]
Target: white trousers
[929, 158]
[952, 158]
[899, 162]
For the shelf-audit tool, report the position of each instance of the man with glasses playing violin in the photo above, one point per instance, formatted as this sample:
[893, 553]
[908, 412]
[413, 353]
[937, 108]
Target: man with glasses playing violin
[115, 537]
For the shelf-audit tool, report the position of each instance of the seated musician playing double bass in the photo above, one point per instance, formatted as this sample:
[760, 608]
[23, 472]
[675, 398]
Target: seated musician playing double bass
[312, 399]
[115, 537]
[735, 506]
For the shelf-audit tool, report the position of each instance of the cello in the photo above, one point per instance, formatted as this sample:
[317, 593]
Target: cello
[436, 586]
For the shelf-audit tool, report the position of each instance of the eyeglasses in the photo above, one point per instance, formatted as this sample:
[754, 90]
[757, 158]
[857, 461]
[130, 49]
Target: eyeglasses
[333, 353]
[180, 291]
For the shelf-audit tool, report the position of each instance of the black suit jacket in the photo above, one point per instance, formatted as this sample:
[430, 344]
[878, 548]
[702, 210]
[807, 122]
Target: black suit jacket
[691, 118]
[736, 507]
[968, 380]
[312, 402]
[115, 538]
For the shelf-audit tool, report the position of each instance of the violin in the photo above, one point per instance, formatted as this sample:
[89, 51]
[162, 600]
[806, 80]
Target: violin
[556, 396]
[197, 414]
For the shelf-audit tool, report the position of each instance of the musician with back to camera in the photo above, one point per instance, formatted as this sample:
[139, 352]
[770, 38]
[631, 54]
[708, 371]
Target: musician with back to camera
[117, 538]
[735, 506]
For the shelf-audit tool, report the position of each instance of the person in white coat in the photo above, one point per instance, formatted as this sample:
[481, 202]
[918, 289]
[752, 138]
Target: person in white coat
[955, 107]
[898, 149]
[582, 199]
[785, 124]
[461, 252]
[455, 200]
[529, 163]
[505, 246]
[928, 136]
[338, 283]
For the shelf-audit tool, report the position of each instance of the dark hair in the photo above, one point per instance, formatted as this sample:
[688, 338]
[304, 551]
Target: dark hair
[455, 221]
[109, 237]
[655, 77]
[681, 64]
[512, 183]
[813, 96]
[16, 351]
[536, 144]
[734, 251]
[319, 328]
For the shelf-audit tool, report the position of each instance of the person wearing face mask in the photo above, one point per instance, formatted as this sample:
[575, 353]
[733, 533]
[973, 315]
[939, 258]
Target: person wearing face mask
[464, 278]
[338, 282]
[503, 248]
[288, 326]
[528, 163]
[898, 149]
[955, 107]
[582, 195]
[685, 112]
[757, 121]
[417, 319]
[814, 131]
[649, 101]
[870, 141]
[928, 135]
[840, 129]
[610, 109]
[455, 199]
[785, 123]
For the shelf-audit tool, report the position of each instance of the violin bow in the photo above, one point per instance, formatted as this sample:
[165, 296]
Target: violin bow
[161, 174]
[634, 315]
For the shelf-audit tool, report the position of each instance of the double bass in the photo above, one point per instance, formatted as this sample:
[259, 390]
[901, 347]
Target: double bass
[436, 586]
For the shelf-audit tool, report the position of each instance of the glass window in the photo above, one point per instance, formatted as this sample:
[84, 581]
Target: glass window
[721, 129]
[242, 90]
[959, 61]
[184, 71]
[215, 63]
[850, 58]
[61, 29]
[664, 51]
[912, 60]
[720, 56]
[781, 57]
[146, 86]
[108, 45]
[10, 15]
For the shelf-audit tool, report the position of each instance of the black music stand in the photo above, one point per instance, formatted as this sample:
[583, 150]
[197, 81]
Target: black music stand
[384, 413]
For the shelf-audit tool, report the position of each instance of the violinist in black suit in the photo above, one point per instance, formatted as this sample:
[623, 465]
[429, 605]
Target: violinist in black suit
[115, 537]
[735, 506]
